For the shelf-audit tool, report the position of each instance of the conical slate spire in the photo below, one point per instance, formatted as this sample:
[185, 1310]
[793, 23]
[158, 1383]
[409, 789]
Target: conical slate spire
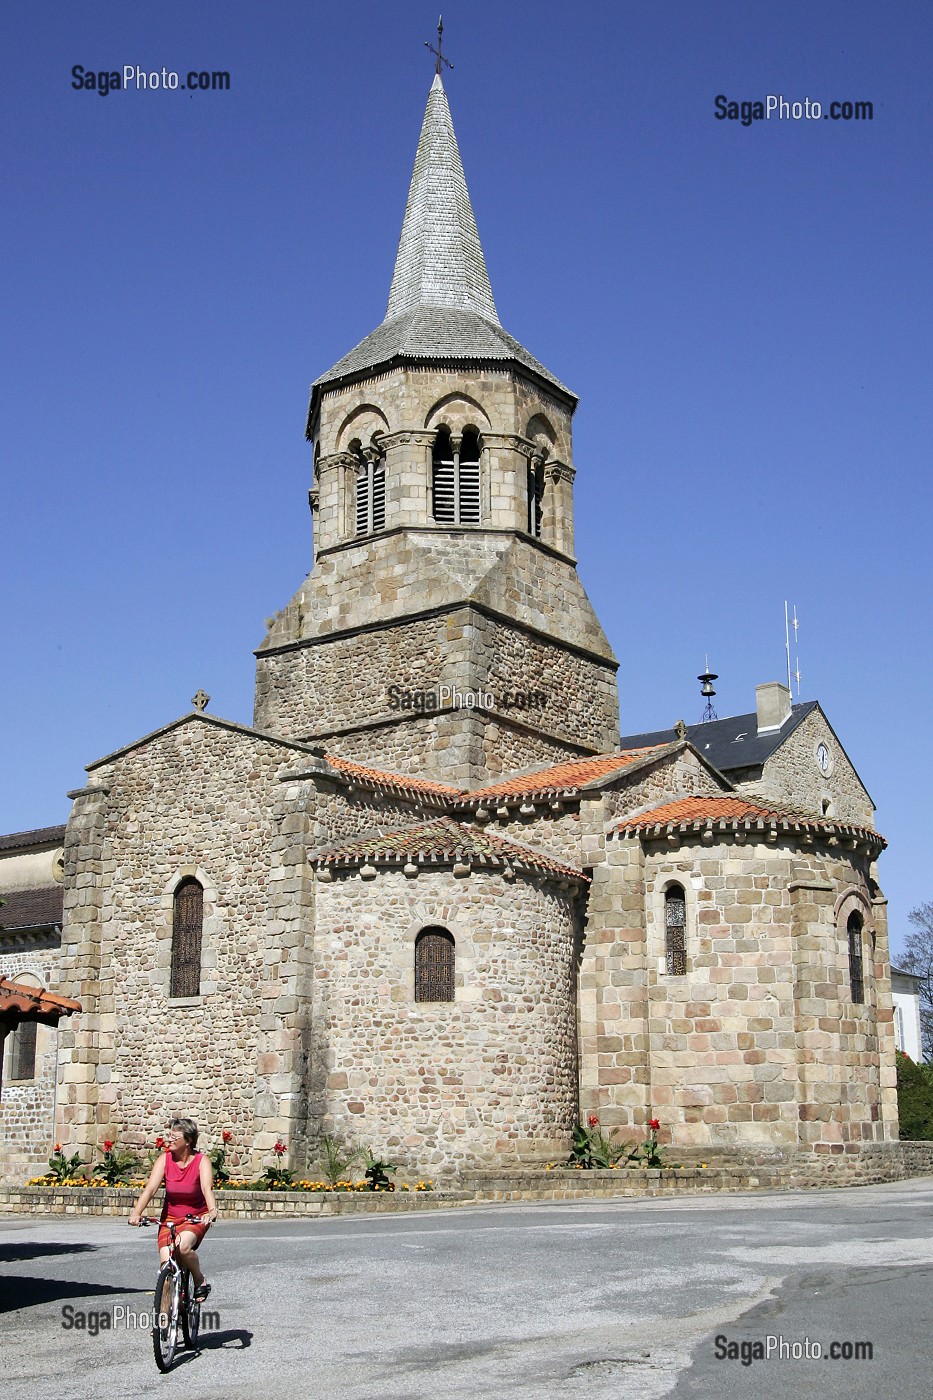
[440, 304]
[440, 260]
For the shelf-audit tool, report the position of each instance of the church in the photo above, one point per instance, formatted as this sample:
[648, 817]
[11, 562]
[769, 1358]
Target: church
[431, 900]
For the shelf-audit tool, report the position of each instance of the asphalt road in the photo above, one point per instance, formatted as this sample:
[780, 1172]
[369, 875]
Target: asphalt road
[608, 1300]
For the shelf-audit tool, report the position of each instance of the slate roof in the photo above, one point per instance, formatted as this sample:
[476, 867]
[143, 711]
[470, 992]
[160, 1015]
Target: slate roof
[731, 813]
[21, 1003]
[442, 841]
[22, 909]
[40, 836]
[730, 743]
[440, 305]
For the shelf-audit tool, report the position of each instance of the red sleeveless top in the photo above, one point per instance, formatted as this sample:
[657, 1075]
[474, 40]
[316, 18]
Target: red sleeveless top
[183, 1194]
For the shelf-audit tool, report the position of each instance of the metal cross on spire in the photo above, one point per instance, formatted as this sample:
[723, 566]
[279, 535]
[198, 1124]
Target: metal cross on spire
[437, 51]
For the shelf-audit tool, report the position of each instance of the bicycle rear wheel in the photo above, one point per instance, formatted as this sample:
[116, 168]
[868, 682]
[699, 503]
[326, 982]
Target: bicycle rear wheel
[165, 1320]
[190, 1312]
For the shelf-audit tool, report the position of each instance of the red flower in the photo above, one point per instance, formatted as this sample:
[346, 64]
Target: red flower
[593, 1121]
[160, 1142]
[58, 1147]
[227, 1135]
[655, 1124]
[279, 1149]
[108, 1144]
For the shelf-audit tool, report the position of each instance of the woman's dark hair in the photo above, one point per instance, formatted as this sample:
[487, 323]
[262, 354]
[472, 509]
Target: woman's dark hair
[188, 1129]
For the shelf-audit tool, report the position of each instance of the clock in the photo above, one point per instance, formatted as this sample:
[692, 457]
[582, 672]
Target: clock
[824, 759]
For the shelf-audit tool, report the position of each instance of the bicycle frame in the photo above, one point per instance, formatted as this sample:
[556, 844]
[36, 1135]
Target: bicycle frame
[182, 1306]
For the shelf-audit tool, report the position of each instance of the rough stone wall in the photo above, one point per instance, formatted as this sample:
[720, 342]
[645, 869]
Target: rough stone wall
[27, 1106]
[757, 1042]
[198, 800]
[506, 749]
[486, 1078]
[558, 833]
[792, 775]
[317, 691]
[682, 775]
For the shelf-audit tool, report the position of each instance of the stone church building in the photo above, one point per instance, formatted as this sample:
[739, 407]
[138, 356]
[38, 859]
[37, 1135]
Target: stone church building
[431, 900]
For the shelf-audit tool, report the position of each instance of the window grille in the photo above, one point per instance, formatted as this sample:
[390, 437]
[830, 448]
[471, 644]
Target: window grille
[675, 923]
[455, 480]
[434, 965]
[535, 497]
[23, 1052]
[187, 927]
[856, 977]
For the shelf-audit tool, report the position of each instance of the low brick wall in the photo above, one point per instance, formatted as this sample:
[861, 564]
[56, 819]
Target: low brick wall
[738, 1170]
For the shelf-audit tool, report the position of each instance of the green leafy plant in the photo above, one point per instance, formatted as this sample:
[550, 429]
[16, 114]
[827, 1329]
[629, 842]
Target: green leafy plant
[218, 1159]
[914, 1098]
[62, 1168]
[376, 1174]
[117, 1166]
[593, 1149]
[277, 1176]
[338, 1159]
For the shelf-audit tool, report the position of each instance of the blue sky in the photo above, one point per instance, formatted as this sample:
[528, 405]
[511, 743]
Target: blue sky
[744, 312]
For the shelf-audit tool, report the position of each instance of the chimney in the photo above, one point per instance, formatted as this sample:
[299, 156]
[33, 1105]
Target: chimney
[773, 704]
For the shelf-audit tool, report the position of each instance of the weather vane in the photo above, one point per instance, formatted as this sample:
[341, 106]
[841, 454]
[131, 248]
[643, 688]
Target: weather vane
[437, 51]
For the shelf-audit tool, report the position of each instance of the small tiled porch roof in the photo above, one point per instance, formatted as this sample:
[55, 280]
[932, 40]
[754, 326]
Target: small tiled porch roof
[21, 1003]
[22, 909]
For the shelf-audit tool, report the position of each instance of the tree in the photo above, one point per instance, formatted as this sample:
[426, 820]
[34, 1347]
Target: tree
[918, 959]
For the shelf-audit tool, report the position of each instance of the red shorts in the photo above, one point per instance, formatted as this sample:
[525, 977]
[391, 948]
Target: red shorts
[196, 1228]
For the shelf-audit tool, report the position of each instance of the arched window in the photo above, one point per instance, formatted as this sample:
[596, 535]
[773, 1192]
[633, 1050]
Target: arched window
[675, 929]
[535, 496]
[22, 1053]
[187, 924]
[370, 491]
[434, 965]
[455, 483]
[856, 977]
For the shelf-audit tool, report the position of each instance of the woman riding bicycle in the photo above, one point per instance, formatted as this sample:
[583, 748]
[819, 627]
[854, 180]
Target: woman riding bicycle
[189, 1190]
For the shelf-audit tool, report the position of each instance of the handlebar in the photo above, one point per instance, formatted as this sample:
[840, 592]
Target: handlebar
[154, 1220]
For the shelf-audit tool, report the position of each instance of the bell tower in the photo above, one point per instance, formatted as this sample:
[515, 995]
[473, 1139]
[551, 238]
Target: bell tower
[443, 629]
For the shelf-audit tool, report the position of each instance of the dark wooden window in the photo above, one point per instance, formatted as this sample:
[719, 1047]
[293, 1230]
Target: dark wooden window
[23, 1052]
[455, 479]
[535, 497]
[434, 965]
[856, 977]
[187, 922]
[675, 929]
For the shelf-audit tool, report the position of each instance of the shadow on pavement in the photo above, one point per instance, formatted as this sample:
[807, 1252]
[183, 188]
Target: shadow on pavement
[17, 1293]
[35, 1249]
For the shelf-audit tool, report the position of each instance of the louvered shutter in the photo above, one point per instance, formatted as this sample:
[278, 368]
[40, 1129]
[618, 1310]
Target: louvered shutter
[187, 924]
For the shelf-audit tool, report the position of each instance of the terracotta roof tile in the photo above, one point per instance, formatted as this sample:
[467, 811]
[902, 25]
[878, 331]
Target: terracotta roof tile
[399, 782]
[441, 842]
[568, 776]
[22, 1003]
[20, 909]
[695, 812]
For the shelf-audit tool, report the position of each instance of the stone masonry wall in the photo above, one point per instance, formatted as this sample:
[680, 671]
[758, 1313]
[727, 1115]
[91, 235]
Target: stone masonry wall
[27, 1107]
[489, 1077]
[792, 775]
[747, 1047]
[198, 800]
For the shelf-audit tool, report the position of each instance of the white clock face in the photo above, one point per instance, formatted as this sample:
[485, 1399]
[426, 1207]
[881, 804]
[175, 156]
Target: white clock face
[823, 759]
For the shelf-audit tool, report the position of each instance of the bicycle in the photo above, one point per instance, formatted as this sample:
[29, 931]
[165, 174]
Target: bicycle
[174, 1301]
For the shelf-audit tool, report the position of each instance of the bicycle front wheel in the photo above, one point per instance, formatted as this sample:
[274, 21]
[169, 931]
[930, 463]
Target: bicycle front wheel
[165, 1320]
